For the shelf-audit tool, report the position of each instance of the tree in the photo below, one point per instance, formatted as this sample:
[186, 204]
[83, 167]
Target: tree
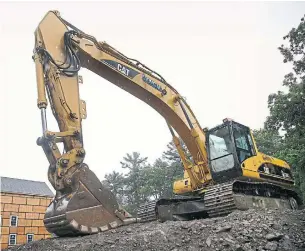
[172, 157]
[268, 141]
[143, 181]
[287, 108]
[160, 177]
[134, 179]
[115, 182]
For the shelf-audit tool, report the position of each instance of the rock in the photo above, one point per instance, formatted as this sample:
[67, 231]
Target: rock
[232, 233]
[248, 247]
[224, 229]
[259, 236]
[239, 248]
[201, 245]
[264, 226]
[287, 244]
[109, 241]
[226, 245]
[208, 241]
[272, 237]
[229, 240]
[245, 232]
[129, 230]
[271, 246]
[276, 226]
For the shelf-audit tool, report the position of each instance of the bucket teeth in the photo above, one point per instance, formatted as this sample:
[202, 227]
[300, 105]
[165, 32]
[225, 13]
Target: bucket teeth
[96, 210]
[104, 228]
[93, 230]
[62, 225]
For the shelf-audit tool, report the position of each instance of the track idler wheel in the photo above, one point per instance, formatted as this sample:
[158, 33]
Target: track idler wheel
[85, 207]
[293, 203]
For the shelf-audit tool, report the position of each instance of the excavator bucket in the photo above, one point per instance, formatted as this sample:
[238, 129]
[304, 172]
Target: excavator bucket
[87, 207]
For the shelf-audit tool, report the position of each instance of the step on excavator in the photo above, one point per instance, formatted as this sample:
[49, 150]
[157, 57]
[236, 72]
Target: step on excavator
[225, 172]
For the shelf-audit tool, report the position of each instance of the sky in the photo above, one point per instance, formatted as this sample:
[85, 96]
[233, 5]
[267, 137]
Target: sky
[221, 56]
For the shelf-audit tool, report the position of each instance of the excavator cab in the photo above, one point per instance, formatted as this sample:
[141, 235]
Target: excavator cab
[229, 144]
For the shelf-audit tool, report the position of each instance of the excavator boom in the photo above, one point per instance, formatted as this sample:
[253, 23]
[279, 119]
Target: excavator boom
[82, 205]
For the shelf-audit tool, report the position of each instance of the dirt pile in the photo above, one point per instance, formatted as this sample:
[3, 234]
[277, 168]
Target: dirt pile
[239, 231]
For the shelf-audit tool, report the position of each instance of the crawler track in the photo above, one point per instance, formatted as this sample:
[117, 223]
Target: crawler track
[147, 211]
[222, 199]
[219, 200]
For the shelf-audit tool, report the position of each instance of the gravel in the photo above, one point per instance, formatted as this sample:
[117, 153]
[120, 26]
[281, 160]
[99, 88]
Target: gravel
[251, 230]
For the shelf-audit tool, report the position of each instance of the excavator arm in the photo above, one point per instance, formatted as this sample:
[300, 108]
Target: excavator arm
[82, 205]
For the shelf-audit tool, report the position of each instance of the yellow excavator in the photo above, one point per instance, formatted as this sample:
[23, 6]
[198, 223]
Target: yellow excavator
[225, 172]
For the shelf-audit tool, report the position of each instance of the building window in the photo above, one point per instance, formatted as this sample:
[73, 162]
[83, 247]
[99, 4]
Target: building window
[29, 237]
[14, 221]
[13, 239]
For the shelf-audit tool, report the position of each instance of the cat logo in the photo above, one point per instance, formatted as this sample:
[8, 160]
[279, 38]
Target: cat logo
[123, 69]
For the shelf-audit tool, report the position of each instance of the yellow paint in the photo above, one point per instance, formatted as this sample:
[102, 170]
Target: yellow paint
[67, 106]
[107, 62]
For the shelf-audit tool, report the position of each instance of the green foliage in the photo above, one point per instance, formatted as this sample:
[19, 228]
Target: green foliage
[171, 156]
[134, 180]
[268, 141]
[287, 109]
[159, 178]
[144, 181]
[114, 181]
